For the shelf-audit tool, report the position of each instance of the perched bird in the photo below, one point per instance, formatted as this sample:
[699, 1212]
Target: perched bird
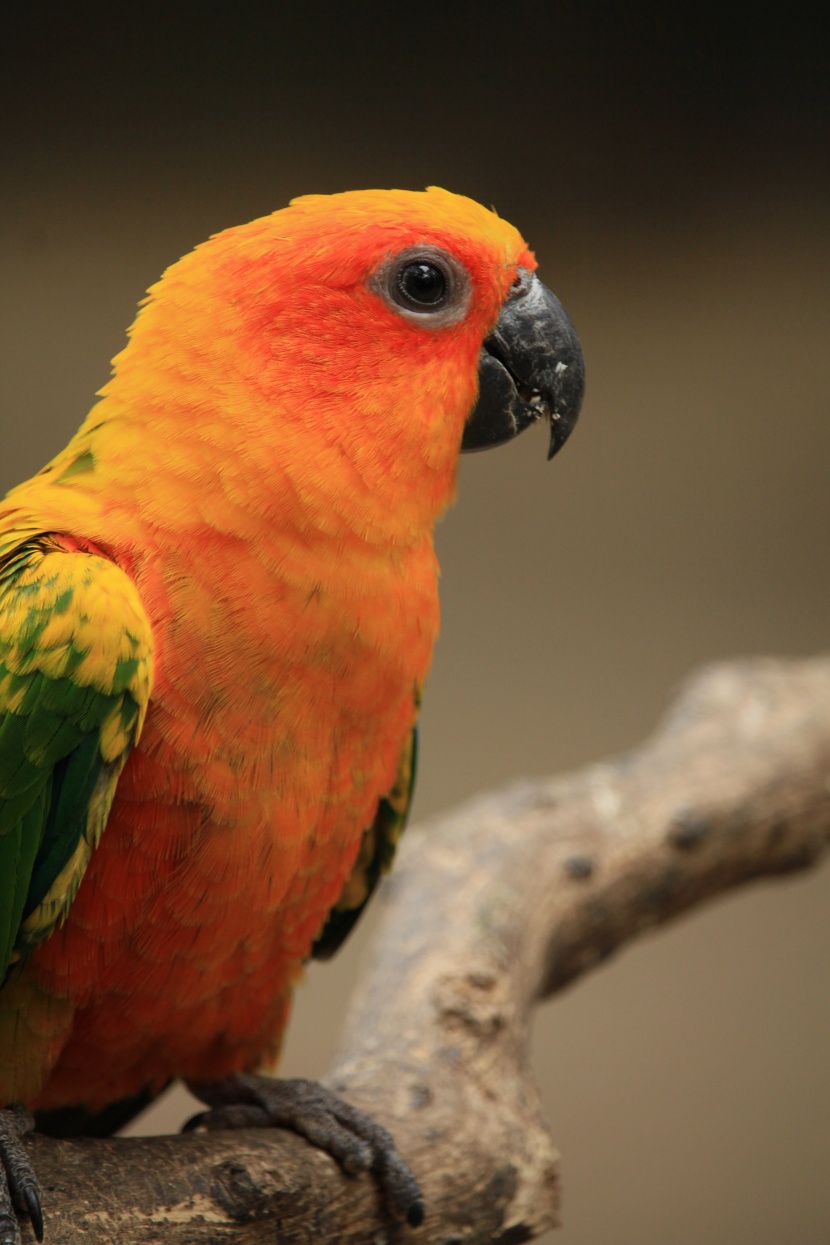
[217, 611]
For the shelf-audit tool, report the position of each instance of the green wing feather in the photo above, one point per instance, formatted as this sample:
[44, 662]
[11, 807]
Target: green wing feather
[75, 674]
[377, 851]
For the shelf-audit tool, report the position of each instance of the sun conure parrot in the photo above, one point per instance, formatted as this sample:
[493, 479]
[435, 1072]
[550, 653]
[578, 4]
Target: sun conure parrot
[217, 611]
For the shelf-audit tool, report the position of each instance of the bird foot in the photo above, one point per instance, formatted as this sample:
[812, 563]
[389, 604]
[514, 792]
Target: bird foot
[19, 1188]
[318, 1114]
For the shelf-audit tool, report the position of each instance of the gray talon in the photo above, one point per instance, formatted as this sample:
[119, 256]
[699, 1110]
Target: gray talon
[19, 1188]
[348, 1134]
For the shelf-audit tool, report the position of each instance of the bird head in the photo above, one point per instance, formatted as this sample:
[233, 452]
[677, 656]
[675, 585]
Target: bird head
[354, 343]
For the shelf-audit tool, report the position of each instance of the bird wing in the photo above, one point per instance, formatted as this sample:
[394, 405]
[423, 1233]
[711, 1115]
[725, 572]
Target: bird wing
[75, 677]
[377, 851]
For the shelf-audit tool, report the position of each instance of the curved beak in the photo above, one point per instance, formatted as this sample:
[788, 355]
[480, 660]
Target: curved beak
[530, 368]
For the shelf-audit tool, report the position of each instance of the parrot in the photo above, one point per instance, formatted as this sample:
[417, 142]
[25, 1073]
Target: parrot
[218, 606]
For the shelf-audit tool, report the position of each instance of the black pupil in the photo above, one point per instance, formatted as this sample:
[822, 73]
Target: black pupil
[423, 283]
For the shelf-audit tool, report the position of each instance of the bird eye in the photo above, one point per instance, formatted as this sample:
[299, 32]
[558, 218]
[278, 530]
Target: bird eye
[425, 284]
[422, 285]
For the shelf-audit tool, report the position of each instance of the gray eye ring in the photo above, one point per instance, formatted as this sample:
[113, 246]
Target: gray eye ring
[424, 284]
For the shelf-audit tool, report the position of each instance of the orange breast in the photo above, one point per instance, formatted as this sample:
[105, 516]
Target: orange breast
[268, 743]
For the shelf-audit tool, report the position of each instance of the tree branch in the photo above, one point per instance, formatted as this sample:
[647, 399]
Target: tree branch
[490, 909]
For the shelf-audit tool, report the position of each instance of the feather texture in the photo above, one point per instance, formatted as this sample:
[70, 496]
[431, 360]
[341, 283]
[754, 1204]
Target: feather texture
[217, 610]
[75, 674]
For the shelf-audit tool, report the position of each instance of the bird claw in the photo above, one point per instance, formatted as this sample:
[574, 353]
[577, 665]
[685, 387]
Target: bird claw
[19, 1188]
[349, 1135]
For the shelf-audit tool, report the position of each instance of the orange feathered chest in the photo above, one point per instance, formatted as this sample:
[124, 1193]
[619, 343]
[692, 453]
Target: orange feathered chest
[284, 689]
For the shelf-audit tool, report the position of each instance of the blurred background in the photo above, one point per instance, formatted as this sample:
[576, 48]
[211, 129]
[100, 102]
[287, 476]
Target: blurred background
[669, 165]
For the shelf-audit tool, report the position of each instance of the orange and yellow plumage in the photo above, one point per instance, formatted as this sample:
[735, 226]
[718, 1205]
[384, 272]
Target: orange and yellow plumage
[234, 560]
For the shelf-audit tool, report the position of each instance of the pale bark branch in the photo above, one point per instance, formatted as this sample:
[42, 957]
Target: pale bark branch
[490, 909]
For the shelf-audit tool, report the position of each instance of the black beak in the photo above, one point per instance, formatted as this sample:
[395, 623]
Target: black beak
[530, 367]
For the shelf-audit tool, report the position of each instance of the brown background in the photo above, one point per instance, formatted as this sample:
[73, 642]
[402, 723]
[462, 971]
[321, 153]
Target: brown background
[670, 169]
